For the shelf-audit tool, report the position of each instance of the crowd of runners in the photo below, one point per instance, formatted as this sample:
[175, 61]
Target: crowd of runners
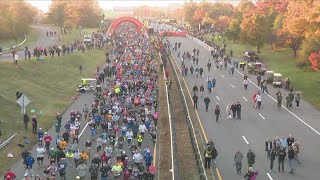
[122, 121]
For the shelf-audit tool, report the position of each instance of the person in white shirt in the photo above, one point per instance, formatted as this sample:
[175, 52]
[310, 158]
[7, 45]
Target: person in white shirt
[129, 135]
[137, 158]
[108, 150]
[142, 129]
[123, 129]
[40, 154]
[258, 100]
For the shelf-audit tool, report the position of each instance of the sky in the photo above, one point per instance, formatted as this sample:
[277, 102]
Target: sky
[110, 4]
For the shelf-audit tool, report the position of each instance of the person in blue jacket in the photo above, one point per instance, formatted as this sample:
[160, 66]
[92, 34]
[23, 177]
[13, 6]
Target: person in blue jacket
[40, 136]
[148, 159]
[28, 161]
[62, 166]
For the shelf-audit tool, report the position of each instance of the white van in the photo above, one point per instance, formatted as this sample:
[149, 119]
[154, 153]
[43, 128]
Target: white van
[87, 38]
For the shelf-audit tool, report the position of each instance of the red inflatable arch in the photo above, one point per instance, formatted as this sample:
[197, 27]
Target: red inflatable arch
[114, 26]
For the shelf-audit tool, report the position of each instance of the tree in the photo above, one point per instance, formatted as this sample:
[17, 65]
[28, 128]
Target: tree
[223, 22]
[207, 21]
[233, 31]
[15, 19]
[295, 24]
[254, 29]
[199, 14]
[314, 59]
[220, 9]
[75, 13]
[189, 11]
[56, 12]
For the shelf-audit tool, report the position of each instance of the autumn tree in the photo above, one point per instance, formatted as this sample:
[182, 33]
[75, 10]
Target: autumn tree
[207, 21]
[189, 11]
[220, 9]
[15, 19]
[233, 31]
[254, 29]
[295, 24]
[199, 14]
[75, 13]
[223, 22]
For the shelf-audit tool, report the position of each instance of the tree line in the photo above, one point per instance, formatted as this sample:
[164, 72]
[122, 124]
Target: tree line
[287, 23]
[15, 19]
[86, 13]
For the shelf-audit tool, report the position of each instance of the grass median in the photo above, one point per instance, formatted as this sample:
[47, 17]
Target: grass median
[48, 85]
[303, 79]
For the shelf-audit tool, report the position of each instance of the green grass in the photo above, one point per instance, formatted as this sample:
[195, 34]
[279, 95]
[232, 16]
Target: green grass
[303, 79]
[32, 36]
[75, 35]
[49, 86]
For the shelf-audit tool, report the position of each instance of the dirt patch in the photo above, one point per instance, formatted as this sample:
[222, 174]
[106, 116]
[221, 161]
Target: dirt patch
[187, 166]
[164, 164]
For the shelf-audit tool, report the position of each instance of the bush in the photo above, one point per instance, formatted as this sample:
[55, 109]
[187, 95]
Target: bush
[302, 64]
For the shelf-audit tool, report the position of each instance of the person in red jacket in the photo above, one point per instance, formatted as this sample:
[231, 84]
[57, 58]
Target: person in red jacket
[10, 175]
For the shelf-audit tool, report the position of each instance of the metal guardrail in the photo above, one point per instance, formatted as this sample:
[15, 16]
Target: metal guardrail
[2, 145]
[194, 141]
[12, 47]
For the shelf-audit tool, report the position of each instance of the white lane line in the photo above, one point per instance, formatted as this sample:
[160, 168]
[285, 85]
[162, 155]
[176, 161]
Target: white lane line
[245, 99]
[218, 98]
[310, 127]
[83, 130]
[269, 176]
[222, 75]
[261, 116]
[232, 85]
[244, 138]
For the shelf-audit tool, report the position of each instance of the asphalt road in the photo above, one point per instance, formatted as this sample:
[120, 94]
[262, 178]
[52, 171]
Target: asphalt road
[256, 125]
[42, 41]
[84, 98]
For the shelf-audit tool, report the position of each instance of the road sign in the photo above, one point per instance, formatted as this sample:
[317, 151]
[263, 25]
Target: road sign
[23, 101]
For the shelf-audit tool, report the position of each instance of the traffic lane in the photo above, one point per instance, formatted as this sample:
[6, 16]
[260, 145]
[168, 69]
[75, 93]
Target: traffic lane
[263, 126]
[284, 116]
[306, 116]
[279, 123]
[226, 131]
[226, 134]
[306, 112]
[42, 41]
[84, 98]
[252, 126]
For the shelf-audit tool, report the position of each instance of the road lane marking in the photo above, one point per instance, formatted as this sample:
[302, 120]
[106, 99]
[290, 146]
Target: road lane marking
[218, 98]
[154, 154]
[261, 116]
[269, 176]
[222, 75]
[232, 85]
[83, 130]
[244, 98]
[302, 121]
[244, 138]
